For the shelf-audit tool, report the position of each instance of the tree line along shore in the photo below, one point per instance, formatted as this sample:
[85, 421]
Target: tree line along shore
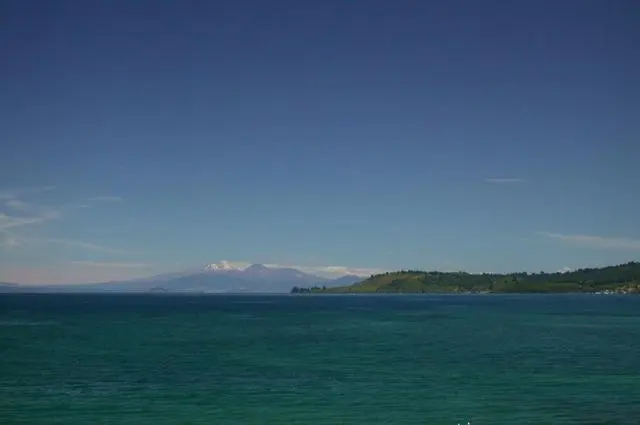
[620, 279]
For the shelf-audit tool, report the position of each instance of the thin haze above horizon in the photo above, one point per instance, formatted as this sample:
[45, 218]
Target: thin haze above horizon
[152, 136]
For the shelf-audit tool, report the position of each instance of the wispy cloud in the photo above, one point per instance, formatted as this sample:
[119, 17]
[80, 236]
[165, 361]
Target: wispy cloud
[111, 265]
[24, 219]
[335, 271]
[106, 199]
[599, 242]
[17, 192]
[332, 271]
[9, 242]
[504, 180]
[19, 213]
[10, 221]
[16, 204]
[80, 244]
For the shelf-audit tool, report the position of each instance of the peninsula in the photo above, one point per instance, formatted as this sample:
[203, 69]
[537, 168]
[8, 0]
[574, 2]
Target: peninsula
[623, 278]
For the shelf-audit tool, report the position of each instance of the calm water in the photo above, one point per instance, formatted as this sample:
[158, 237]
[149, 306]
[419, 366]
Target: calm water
[158, 359]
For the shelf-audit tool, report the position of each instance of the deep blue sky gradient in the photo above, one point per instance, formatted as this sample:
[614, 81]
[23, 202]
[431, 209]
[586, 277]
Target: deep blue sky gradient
[357, 133]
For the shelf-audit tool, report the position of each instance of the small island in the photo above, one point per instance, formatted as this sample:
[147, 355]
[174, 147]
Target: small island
[620, 279]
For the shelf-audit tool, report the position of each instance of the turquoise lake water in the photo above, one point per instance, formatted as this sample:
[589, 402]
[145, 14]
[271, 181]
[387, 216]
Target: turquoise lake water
[162, 359]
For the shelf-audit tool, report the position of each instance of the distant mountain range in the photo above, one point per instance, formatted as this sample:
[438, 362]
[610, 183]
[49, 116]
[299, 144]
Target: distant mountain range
[213, 278]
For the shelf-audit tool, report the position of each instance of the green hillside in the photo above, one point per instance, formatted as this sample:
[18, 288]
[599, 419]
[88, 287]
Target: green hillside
[624, 278]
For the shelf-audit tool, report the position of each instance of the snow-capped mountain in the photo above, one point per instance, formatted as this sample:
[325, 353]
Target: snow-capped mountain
[260, 272]
[223, 266]
[221, 277]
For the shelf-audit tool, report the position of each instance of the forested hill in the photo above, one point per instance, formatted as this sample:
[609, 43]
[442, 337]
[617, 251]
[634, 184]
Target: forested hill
[624, 278]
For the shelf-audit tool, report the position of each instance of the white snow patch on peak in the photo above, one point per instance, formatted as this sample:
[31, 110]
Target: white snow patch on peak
[226, 266]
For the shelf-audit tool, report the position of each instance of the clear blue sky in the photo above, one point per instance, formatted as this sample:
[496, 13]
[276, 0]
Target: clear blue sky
[148, 136]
